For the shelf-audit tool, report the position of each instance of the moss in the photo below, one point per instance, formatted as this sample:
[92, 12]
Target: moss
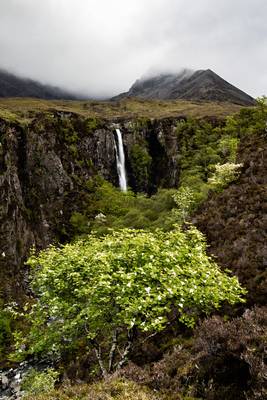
[73, 149]
[91, 124]
[70, 136]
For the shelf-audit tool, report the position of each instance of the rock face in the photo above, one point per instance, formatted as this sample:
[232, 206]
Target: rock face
[45, 168]
[14, 86]
[11, 379]
[188, 85]
[235, 221]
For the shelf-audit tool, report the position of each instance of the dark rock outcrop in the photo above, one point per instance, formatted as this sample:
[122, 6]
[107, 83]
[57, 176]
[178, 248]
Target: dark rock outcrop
[200, 85]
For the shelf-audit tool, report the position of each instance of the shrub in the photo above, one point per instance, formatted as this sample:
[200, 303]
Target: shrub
[141, 164]
[37, 382]
[91, 124]
[105, 289]
[185, 201]
[223, 175]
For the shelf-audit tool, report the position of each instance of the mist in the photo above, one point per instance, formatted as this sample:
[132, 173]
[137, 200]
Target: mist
[98, 48]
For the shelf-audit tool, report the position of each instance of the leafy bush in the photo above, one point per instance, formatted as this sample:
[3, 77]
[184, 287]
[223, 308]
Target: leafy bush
[104, 289]
[185, 203]
[223, 175]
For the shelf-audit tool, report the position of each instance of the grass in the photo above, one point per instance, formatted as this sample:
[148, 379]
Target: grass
[111, 389]
[24, 109]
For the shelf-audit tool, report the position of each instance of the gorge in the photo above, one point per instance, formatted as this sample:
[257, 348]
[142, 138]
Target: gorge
[47, 167]
[64, 175]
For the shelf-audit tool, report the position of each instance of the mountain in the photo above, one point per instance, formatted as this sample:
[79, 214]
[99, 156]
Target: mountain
[188, 85]
[14, 86]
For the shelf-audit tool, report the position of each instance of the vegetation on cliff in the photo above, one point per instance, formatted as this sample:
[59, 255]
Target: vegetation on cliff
[222, 190]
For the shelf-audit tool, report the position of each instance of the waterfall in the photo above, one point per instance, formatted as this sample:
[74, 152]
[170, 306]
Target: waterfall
[120, 159]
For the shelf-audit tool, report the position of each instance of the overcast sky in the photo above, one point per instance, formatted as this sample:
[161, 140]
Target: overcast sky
[100, 47]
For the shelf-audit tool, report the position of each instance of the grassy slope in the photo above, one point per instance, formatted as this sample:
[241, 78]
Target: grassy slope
[24, 109]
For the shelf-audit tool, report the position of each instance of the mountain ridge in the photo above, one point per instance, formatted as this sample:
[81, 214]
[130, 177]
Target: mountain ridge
[200, 85]
[12, 85]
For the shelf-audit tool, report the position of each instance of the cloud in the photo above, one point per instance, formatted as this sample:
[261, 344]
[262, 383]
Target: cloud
[100, 47]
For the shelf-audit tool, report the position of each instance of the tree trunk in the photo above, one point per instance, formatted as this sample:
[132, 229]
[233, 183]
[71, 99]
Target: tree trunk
[127, 350]
[100, 362]
[113, 350]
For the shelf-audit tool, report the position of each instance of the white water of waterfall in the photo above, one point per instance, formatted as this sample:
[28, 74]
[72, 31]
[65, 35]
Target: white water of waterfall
[120, 159]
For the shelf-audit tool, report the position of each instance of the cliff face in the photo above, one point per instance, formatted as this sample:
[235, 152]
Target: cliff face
[235, 221]
[46, 166]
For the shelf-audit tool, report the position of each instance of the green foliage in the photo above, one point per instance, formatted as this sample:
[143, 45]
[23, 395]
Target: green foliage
[121, 282]
[200, 151]
[208, 153]
[91, 124]
[185, 203]
[37, 382]
[140, 163]
[67, 131]
[122, 210]
[223, 175]
[248, 121]
[79, 222]
[5, 329]
[227, 148]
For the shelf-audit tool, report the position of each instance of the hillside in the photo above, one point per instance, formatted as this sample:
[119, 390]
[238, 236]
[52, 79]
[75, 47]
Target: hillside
[15, 86]
[201, 85]
[59, 181]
